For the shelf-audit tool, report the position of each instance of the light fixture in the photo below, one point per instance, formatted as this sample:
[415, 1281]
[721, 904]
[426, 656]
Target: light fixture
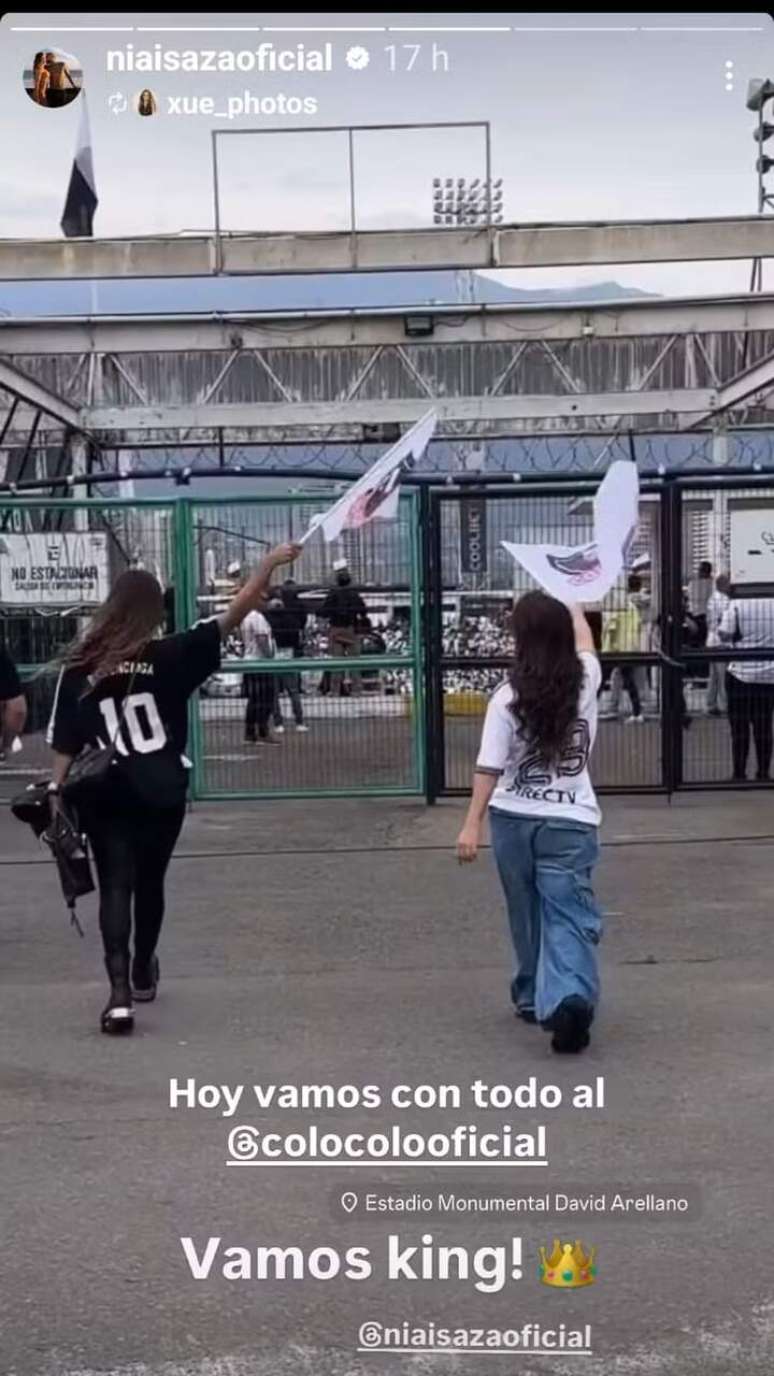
[382, 432]
[418, 326]
[759, 90]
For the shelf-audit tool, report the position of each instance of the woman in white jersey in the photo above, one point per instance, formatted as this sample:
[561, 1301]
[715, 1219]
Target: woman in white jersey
[532, 775]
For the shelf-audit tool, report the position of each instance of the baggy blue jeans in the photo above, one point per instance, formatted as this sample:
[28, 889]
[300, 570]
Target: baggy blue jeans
[545, 869]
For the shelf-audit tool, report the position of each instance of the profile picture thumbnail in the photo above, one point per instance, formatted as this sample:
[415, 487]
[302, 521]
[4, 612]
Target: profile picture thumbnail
[54, 79]
[146, 103]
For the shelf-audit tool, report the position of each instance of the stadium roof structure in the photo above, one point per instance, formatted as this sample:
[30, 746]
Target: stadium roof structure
[517, 387]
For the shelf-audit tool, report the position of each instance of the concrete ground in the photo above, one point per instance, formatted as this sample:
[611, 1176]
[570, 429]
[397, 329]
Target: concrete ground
[339, 943]
[362, 741]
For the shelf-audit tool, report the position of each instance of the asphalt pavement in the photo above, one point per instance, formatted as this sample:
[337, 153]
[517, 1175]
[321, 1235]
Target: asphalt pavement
[339, 944]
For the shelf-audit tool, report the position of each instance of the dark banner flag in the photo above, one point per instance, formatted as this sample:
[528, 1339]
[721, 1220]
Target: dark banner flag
[473, 534]
[81, 200]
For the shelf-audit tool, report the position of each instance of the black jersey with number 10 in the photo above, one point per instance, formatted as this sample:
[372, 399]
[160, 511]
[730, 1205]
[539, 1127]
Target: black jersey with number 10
[149, 724]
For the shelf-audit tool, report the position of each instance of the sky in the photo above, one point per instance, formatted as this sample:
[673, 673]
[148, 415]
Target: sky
[593, 117]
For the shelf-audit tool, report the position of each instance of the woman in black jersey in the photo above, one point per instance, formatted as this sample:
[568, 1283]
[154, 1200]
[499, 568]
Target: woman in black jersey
[121, 683]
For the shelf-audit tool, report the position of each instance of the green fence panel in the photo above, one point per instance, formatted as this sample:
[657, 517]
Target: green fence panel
[59, 558]
[367, 742]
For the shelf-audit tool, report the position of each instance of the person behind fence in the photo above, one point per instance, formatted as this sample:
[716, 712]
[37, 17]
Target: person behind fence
[532, 775]
[13, 704]
[748, 623]
[287, 617]
[700, 591]
[345, 611]
[622, 632]
[716, 681]
[260, 689]
[123, 688]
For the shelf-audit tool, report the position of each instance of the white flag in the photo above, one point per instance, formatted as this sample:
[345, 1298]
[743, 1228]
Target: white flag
[375, 496]
[585, 573]
[617, 506]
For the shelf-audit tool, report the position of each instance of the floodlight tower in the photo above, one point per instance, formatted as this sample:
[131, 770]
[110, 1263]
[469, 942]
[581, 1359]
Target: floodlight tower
[760, 92]
[460, 201]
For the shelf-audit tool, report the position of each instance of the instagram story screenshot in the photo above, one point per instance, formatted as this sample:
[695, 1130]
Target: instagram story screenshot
[386, 693]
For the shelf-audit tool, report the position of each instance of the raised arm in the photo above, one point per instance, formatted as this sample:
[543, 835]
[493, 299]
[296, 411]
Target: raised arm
[584, 640]
[255, 592]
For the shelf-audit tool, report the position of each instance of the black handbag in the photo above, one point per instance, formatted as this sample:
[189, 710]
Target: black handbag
[70, 851]
[87, 776]
[60, 832]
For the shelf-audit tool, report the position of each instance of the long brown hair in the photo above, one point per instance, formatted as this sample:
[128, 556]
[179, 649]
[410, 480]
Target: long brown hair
[121, 628]
[546, 675]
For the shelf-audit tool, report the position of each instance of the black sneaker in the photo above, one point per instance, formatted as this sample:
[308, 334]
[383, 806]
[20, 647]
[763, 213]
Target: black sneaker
[145, 980]
[526, 1014]
[117, 1017]
[570, 1025]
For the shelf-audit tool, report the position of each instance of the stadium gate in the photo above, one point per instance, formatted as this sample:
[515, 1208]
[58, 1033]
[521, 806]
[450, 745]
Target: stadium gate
[470, 583]
[437, 587]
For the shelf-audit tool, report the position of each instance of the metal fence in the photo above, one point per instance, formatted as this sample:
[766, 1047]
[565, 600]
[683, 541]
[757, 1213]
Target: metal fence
[363, 715]
[58, 560]
[664, 708]
[404, 715]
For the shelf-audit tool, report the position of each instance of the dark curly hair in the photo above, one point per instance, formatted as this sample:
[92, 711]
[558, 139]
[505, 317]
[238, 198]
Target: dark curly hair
[547, 674]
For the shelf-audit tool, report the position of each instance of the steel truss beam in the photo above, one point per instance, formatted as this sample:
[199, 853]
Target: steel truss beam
[756, 382]
[287, 387]
[285, 415]
[24, 388]
[194, 332]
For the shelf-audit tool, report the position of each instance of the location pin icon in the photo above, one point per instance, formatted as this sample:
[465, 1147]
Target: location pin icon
[349, 1201]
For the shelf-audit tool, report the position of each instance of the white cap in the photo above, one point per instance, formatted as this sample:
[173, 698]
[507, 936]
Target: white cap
[233, 568]
[339, 564]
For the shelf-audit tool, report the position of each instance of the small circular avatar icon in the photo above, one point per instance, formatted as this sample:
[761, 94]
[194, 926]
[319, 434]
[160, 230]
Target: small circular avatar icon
[146, 103]
[54, 79]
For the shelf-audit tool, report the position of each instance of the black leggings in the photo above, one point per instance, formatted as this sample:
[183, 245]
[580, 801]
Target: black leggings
[132, 846]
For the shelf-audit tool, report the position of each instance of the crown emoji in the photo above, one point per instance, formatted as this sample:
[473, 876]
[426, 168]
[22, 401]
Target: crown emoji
[568, 1267]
